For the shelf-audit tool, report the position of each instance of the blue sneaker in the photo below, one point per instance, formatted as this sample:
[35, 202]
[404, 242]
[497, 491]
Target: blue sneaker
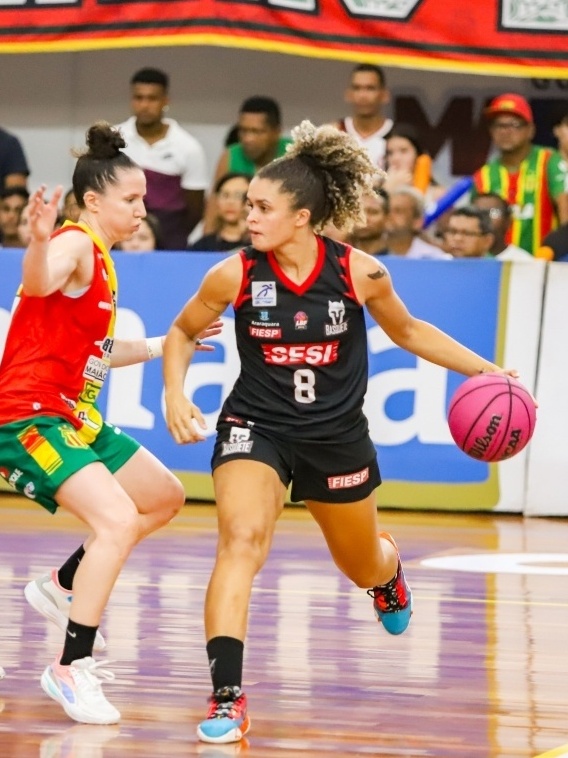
[227, 719]
[393, 601]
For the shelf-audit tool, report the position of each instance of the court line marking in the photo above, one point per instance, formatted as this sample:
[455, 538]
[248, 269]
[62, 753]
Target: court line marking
[559, 752]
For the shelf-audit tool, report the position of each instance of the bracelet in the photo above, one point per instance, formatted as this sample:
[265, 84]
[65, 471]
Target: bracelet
[154, 347]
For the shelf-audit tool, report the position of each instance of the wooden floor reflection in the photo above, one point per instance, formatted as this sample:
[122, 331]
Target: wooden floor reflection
[481, 672]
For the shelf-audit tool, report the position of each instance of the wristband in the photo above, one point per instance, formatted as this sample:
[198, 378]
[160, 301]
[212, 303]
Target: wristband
[154, 347]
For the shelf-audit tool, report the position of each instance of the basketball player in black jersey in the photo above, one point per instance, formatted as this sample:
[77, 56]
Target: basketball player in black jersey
[295, 413]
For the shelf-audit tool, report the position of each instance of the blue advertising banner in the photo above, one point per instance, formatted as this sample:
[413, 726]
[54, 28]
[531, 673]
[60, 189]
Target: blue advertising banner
[407, 398]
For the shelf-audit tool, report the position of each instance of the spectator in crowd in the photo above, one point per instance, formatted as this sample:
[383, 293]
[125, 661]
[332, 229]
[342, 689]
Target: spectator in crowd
[230, 200]
[173, 160]
[555, 245]
[404, 226]
[13, 200]
[24, 231]
[70, 210]
[559, 161]
[469, 233]
[500, 216]
[146, 239]
[260, 140]
[367, 95]
[407, 163]
[520, 173]
[370, 237]
[14, 169]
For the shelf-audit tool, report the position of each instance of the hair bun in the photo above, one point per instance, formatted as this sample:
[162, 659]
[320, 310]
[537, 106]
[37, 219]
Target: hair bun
[104, 141]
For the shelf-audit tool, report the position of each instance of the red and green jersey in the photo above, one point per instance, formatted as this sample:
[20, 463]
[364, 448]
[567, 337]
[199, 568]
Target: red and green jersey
[58, 347]
[529, 193]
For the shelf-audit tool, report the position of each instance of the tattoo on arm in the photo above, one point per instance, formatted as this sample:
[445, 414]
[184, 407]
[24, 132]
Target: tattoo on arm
[209, 307]
[378, 274]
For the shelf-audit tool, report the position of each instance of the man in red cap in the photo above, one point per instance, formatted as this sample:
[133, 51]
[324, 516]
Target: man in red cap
[520, 173]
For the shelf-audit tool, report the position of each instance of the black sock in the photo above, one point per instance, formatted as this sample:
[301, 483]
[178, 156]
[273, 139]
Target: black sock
[225, 661]
[66, 573]
[79, 641]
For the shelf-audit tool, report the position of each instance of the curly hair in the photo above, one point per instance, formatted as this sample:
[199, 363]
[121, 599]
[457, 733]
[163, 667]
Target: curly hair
[97, 166]
[326, 172]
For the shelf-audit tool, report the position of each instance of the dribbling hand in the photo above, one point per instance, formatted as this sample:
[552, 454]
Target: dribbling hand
[183, 419]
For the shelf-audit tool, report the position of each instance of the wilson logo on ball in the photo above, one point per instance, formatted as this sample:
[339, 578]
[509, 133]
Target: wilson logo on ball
[491, 417]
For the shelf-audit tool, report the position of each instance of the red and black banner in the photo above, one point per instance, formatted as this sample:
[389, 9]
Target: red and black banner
[518, 37]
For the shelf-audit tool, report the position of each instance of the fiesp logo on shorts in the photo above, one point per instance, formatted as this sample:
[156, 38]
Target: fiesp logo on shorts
[344, 481]
[311, 353]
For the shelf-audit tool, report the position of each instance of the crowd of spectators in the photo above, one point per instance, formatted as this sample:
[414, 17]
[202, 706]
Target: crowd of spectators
[517, 208]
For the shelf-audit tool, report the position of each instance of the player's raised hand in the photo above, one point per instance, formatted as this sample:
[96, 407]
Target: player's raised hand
[42, 213]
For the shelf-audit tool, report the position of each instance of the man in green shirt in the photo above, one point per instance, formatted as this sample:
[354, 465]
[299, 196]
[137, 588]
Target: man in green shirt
[558, 164]
[260, 141]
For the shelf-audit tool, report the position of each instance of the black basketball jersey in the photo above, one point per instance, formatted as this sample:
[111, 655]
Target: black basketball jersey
[303, 348]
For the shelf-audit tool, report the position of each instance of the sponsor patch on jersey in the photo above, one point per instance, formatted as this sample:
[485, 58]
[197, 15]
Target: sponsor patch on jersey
[263, 294]
[311, 353]
[336, 312]
[266, 323]
[301, 320]
[96, 369]
[266, 332]
[344, 481]
[239, 441]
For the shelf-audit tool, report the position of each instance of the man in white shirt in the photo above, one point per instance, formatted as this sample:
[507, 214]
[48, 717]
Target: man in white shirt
[367, 94]
[173, 161]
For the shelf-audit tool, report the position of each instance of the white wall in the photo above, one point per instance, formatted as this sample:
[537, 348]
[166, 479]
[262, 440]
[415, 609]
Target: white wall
[49, 99]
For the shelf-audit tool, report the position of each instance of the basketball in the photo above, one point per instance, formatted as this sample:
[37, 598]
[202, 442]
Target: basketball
[491, 417]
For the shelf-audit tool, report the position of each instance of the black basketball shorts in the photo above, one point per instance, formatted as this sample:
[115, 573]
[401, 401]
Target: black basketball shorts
[328, 471]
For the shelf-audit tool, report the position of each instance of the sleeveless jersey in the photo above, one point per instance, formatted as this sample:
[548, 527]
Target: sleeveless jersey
[57, 352]
[240, 164]
[528, 192]
[303, 349]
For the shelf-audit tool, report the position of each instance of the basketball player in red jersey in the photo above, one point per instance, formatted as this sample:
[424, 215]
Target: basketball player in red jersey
[55, 447]
[295, 413]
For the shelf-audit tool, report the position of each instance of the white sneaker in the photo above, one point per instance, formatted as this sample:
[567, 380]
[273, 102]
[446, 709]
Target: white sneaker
[78, 689]
[53, 602]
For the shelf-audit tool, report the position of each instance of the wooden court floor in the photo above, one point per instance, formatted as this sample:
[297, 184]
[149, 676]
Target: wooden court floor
[482, 671]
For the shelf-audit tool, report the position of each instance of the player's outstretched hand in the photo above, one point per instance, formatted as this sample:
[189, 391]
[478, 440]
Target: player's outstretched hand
[212, 330]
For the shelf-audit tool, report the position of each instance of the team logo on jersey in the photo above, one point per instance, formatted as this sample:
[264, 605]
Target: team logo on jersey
[336, 311]
[301, 320]
[344, 481]
[239, 441]
[29, 490]
[263, 316]
[263, 294]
